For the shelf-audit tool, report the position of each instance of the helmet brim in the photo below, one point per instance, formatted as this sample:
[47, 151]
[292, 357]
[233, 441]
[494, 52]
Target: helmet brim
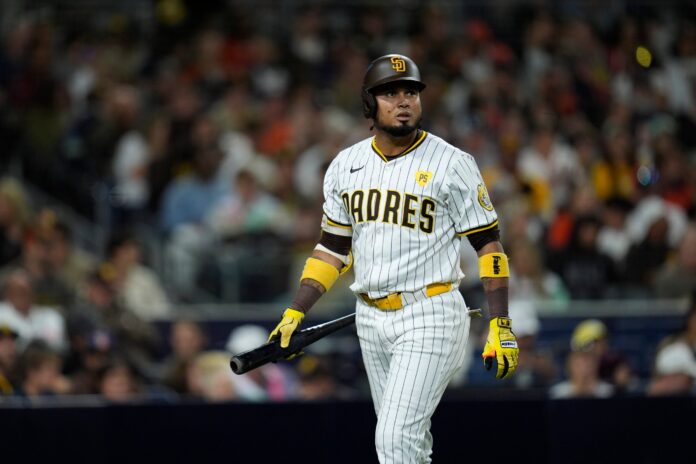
[391, 82]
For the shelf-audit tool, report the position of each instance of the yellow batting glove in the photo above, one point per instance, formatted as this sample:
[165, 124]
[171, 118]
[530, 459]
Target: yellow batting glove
[287, 326]
[501, 345]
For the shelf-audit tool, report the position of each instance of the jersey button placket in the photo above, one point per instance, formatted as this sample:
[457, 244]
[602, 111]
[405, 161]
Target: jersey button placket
[378, 236]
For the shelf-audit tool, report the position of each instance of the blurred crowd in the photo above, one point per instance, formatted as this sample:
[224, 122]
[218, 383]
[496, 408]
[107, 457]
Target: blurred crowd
[210, 131]
[111, 354]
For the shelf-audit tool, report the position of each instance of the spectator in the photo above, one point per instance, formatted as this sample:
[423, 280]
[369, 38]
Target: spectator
[673, 167]
[675, 363]
[591, 335]
[176, 151]
[249, 210]
[68, 263]
[188, 199]
[8, 354]
[644, 259]
[49, 289]
[675, 371]
[92, 350]
[209, 377]
[117, 382]
[130, 159]
[35, 322]
[99, 310]
[40, 373]
[560, 231]
[309, 168]
[550, 165]
[188, 340]
[677, 277]
[530, 280]
[317, 382]
[615, 175]
[186, 203]
[583, 379]
[585, 271]
[14, 217]
[650, 210]
[137, 287]
[613, 238]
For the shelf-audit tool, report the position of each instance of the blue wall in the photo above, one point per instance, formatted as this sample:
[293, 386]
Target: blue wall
[500, 429]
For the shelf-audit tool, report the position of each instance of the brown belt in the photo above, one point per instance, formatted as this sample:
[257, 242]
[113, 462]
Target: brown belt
[396, 301]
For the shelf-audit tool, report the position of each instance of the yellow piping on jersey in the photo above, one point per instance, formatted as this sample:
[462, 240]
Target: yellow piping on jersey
[478, 229]
[337, 224]
[415, 145]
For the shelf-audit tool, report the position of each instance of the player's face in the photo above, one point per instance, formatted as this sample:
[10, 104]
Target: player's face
[399, 110]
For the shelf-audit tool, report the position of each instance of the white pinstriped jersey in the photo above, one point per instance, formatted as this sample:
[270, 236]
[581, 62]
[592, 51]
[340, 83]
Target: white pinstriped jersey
[407, 214]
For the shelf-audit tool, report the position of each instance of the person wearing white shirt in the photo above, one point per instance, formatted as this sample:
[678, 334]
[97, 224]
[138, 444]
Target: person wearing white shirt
[32, 322]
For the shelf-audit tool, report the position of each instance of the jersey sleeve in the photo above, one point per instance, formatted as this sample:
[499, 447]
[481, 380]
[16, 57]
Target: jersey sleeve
[468, 202]
[336, 220]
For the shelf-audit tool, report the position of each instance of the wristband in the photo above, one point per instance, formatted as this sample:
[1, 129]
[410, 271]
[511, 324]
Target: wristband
[494, 265]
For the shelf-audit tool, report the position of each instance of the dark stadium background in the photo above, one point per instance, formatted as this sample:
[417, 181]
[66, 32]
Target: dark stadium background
[174, 151]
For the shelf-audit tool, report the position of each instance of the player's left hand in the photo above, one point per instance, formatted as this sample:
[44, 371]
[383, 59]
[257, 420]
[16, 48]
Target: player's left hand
[501, 345]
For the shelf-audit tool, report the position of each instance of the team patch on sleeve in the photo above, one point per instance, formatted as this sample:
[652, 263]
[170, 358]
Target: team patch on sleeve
[483, 198]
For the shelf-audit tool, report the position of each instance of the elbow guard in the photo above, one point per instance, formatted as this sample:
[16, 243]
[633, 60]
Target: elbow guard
[337, 246]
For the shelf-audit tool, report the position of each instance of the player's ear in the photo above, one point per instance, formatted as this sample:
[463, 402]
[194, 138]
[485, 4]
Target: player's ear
[369, 104]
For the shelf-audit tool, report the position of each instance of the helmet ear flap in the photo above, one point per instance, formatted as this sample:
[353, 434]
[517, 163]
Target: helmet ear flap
[369, 104]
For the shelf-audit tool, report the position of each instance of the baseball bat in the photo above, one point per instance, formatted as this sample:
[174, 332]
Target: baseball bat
[271, 351]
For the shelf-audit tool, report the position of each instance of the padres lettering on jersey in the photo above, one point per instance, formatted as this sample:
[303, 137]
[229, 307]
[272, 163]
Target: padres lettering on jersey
[403, 212]
[390, 206]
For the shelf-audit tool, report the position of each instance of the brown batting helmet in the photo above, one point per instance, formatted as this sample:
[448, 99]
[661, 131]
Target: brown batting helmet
[384, 70]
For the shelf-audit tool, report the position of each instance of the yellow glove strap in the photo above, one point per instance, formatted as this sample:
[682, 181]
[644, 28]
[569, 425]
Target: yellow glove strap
[321, 271]
[494, 265]
[505, 322]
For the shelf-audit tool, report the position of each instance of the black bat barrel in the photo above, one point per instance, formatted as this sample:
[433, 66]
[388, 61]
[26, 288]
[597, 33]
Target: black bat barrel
[271, 351]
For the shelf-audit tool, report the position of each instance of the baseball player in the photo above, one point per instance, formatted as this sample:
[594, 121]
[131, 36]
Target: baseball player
[397, 206]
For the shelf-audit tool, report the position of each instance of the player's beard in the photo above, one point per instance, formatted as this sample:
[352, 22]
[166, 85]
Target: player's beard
[399, 130]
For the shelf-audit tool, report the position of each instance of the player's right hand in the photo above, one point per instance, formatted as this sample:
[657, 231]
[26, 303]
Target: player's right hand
[501, 345]
[286, 327]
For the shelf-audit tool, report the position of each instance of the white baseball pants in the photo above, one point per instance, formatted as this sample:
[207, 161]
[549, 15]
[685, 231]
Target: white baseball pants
[410, 356]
